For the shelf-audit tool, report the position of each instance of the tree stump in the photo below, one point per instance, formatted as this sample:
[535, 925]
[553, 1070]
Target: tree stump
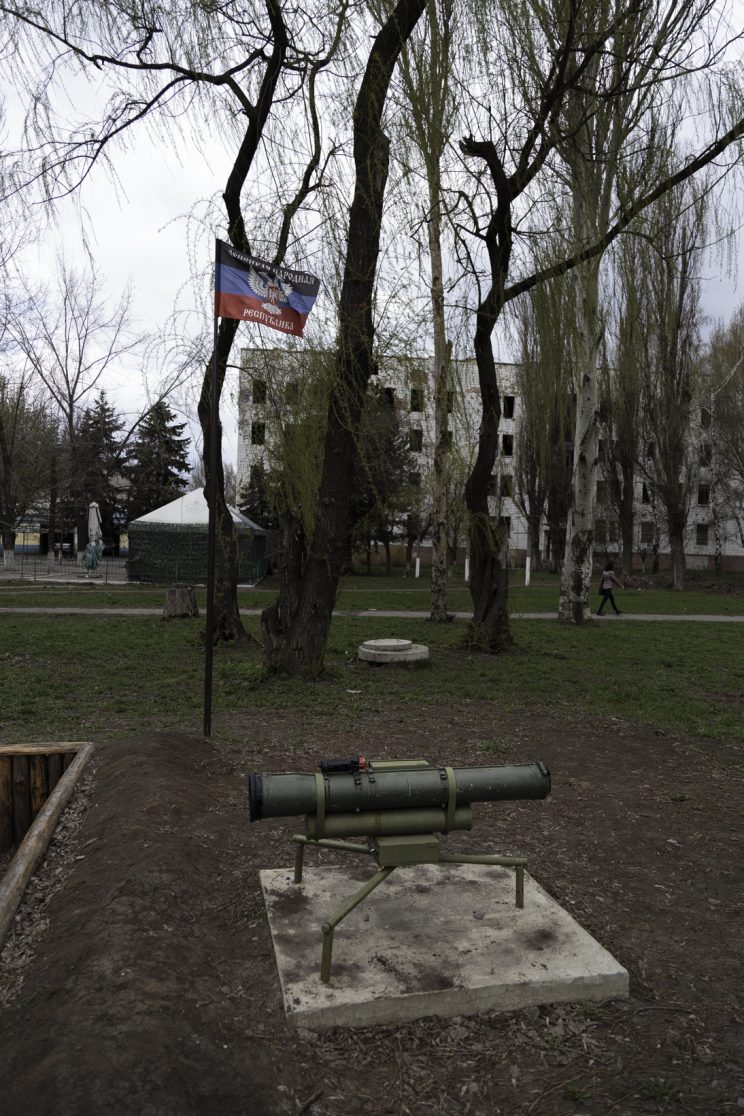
[180, 602]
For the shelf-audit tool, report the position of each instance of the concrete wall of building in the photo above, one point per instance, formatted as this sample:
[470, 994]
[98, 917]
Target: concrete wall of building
[410, 381]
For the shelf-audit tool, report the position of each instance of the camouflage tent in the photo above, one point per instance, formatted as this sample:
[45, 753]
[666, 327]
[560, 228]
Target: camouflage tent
[170, 543]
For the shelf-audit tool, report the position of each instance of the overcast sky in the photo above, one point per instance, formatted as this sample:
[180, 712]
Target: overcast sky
[140, 233]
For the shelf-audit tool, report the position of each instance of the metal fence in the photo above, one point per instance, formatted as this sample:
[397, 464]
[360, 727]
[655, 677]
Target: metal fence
[43, 567]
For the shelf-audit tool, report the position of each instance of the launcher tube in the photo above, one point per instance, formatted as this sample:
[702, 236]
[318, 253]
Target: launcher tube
[284, 795]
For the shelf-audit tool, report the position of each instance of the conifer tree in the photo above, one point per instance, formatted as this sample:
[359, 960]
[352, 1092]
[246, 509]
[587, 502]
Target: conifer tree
[95, 463]
[157, 462]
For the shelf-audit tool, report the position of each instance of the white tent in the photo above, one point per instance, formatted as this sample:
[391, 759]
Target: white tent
[171, 543]
[193, 510]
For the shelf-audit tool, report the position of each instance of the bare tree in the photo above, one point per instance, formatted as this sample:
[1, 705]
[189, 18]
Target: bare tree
[722, 425]
[70, 337]
[27, 433]
[545, 381]
[556, 57]
[672, 317]
[621, 383]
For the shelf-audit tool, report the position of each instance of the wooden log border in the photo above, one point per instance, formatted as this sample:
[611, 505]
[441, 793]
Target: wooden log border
[35, 843]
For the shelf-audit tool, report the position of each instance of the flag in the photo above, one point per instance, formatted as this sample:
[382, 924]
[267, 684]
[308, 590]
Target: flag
[254, 290]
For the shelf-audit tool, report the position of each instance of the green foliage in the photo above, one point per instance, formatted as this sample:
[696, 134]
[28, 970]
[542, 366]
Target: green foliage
[380, 495]
[257, 500]
[95, 462]
[156, 462]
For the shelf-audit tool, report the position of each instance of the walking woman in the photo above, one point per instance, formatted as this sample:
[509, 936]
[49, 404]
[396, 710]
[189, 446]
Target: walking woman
[606, 583]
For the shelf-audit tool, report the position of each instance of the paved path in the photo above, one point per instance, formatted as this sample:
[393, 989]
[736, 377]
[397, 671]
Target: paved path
[371, 613]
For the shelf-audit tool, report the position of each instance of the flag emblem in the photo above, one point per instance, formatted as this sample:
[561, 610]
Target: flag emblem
[253, 290]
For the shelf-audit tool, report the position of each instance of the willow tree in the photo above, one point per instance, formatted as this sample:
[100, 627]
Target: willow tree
[186, 74]
[427, 117]
[295, 628]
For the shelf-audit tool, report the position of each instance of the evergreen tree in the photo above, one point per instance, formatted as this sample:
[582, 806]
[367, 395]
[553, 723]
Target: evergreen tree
[258, 498]
[381, 489]
[95, 465]
[157, 462]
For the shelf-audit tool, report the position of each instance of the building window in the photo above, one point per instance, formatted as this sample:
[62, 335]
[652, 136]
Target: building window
[507, 486]
[389, 394]
[645, 495]
[493, 481]
[255, 475]
[292, 393]
[509, 406]
[612, 531]
[258, 433]
[705, 418]
[704, 494]
[448, 439]
[417, 399]
[507, 444]
[450, 401]
[414, 479]
[416, 440]
[701, 534]
[601, 491]
[600, 530]
[259, 391]
[650, 451]
[706, 454]
[647, 532]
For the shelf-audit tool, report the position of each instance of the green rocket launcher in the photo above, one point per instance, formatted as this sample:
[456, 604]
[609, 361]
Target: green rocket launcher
[399, 806]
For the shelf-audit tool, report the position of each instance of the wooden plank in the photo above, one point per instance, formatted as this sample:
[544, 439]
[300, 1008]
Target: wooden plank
[67, 759]
[49, 749]
[35, 843]
[6, 803]
[21, 797]
[39, 783]
[55, 770]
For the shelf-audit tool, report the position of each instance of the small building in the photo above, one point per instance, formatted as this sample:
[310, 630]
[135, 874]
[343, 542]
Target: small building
[170, 543]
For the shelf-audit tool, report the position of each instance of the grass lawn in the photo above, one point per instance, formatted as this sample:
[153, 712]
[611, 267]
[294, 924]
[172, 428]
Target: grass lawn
[75, 677]
[359, 593]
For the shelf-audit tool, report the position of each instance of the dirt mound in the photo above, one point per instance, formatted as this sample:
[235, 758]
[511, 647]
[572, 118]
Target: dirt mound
[154, 992]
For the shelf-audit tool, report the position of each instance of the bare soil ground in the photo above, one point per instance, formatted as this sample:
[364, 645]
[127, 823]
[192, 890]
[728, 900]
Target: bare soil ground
[140, 978]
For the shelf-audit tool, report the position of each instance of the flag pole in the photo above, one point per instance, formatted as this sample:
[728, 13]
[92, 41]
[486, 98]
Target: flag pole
[212, 504]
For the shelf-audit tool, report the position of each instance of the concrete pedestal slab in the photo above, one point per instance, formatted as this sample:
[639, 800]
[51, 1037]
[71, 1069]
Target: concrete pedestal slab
[392, 651]
[430, 940]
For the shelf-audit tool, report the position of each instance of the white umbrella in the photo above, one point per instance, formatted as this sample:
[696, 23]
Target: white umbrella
[95, 534]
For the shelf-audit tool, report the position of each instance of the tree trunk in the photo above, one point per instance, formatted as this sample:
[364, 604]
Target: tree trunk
[52, 524]
[677, 548]
[441, 389]
[226, 619]
[298, 641]
[8, 539]
[180, 603]
[292, 557]
[576, 576]
[627, 519]
[533, 536]
[489, 629]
